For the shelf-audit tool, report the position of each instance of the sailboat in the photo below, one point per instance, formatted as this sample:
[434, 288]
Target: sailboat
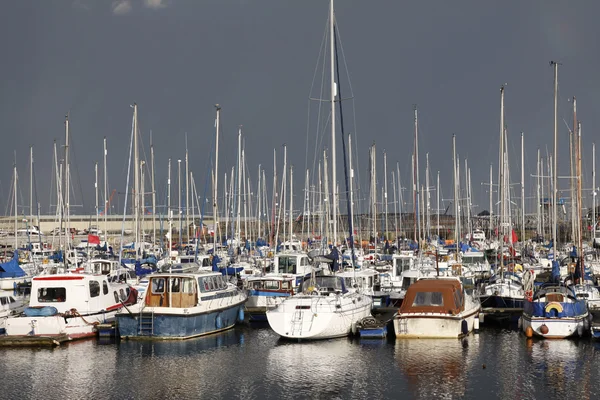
[554, 311]
[324, 307]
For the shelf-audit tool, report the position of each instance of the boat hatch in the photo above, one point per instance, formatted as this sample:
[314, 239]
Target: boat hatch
[557, 297]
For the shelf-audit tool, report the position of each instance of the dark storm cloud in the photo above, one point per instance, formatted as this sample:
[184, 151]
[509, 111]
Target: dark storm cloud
[176, 59]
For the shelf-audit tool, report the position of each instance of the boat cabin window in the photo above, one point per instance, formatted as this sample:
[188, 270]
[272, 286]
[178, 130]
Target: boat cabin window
[122, 294]
[205, 262]
[52, 295]
[175, 285]
[158, 285]
[429, 299]
[285, 285]
[406, 282]
[458, 298]
[304, 261]
[272, 285]
[287, 264]
[116, 296]
[104, 287]
[211, 283]
[187, 285]
[6, 300]
[94, 289]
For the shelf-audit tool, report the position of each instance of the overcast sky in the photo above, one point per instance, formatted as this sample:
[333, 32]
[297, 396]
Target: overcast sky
[177, 58]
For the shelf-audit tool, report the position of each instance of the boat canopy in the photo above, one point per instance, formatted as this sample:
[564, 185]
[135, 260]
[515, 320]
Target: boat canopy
[434, 296]
[11, 269]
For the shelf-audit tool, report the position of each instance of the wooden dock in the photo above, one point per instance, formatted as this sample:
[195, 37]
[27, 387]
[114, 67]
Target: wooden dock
[33, 341]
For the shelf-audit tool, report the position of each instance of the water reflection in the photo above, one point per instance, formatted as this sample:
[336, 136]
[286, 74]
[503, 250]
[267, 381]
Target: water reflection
[565, 367]
[436, 368]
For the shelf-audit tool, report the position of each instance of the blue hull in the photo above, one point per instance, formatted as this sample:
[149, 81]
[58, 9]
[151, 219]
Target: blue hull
[169, 326]
[373, 332]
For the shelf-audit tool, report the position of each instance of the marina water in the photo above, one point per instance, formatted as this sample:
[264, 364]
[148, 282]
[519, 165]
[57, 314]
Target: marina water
[253, 363]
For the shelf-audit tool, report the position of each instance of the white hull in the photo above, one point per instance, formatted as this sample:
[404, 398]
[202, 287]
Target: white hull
[558, 328]
[9, 283]
[75, 328]
[434, 325]
[319, 317]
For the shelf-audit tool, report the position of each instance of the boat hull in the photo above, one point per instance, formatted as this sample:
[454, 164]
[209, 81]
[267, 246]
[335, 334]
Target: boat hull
[433, 325]
[161, 323]
[308, 317]
[557, 328]
[57, 325]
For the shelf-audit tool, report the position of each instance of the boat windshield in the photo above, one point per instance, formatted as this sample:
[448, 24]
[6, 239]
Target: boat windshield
[324, 283]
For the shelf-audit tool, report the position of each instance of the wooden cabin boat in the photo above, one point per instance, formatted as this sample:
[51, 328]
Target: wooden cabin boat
[179, 305]
[69, 305]
[323, 309]
[437, 308]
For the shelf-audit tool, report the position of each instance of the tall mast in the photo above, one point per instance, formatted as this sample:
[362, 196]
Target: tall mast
[136, 179]
[333, 95]
[594, 191]
[239, 188]
[427, 199]
[491, 201]
[105, 192]
[573, 173]
[399, 194]
[291, 212]
[187, 192]
[539, 204]
[66, 178]
[417, 226]
[438, 204]
[179, 199]
[555, 164]
[467, 196]
[153, 192]
[501, 160]
[31, 184]
[455, 173]
[169, 212]
[579, 194]
[15, 199]
[522, 188]
[96, 189]
[216, 174]
[259, 203]
[274, 204]
[385, 192]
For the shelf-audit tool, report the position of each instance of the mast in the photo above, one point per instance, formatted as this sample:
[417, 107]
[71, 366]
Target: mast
[438, 204]
[105, 192]
[427, 199]
[539, 203]
[399, 194]
[491, 201]
[179, 199]
[187, 192]
[96, 189]
[385, 192]
[66, 185]
[31, 183]
[215, 176]
[555, 164]
[468, 198]
[169, 211]
[416, 181]
[136, 179]
[522, 188]
[594, 192]
[579, 194]
[16, 178]
[238, 231]
[259, 203]
[501, 159]
[274, 205]
[291, 212]
[573, 173]
[153, 192]
[455, 178]
[333, 95]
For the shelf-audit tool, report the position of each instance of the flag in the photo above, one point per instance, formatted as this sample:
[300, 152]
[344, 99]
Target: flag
[93, 239]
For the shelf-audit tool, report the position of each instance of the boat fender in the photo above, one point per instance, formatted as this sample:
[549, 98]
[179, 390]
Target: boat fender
[464, 327]
[520, 323]
[219, 322]
[476, 324]
[241, 315]
[354, 328]
[580, 330]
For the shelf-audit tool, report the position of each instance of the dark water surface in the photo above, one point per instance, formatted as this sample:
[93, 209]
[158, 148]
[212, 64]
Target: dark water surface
[252, 363]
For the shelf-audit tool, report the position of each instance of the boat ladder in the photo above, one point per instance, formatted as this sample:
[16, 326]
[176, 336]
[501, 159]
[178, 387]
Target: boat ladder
[297, 322]
[403, 326]
[146, 327]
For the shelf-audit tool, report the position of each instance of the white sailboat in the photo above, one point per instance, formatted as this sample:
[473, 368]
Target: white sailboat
[324, 308]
